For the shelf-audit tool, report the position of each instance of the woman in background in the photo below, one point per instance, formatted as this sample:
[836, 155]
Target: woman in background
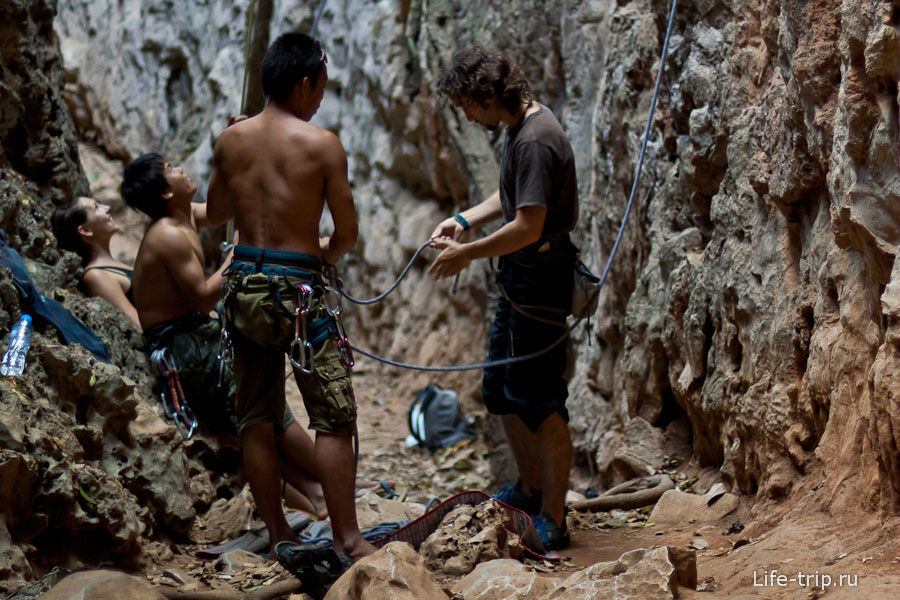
[86, 227]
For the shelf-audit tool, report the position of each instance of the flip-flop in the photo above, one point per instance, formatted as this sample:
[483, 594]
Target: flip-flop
[316, 567]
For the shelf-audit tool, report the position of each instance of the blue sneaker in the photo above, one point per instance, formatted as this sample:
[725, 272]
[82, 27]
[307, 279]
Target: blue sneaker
[513, 495]
[551, 535]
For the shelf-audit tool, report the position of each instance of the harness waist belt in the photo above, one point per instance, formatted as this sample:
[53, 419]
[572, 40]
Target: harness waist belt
[264, 257]
[159, 335]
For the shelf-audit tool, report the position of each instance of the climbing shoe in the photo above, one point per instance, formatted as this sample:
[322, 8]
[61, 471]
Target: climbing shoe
[513, 495]
[552, 536]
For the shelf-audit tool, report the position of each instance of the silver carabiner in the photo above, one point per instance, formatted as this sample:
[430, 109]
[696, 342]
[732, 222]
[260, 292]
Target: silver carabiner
[301, 352]
[301, 356]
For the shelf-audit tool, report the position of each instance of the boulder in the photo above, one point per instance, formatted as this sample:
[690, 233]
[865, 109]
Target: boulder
[676, 506]
[102, 585]
[14, 567]
[395, 572]
[372, 509]
[469, 535]
[637, 453]
[239, 560]
[637, 575]
[225, 519]
[503, 579]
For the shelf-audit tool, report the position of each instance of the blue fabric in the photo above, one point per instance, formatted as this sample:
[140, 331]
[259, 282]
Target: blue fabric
[72, 330]
[319, 533]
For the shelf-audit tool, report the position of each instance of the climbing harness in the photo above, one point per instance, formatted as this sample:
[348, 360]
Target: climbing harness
[174, 403]
[593, 297]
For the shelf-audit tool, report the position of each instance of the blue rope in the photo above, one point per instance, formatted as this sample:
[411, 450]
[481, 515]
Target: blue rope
[637, 175]
[612, 254]
[319, 11]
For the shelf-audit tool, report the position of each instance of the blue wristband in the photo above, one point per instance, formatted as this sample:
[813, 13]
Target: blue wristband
[462, 221]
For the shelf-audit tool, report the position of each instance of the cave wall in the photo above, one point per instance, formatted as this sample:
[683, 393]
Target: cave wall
[754, 291]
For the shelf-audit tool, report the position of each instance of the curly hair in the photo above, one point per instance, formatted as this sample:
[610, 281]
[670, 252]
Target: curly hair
[479, 75]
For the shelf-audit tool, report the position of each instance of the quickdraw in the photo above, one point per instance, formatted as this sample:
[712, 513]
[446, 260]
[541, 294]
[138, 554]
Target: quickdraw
[302, 353]
[335, 309]
[224, 356]
[174, 403]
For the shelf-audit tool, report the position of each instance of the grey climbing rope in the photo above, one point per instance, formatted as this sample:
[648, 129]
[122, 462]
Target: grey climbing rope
[640, 166]
[612, 254]
[338, 284]
[319, 11]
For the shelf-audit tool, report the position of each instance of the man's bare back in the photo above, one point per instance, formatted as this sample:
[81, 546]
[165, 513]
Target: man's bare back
[274, 172]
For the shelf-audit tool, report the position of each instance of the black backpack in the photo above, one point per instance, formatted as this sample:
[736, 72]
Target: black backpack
[436, 420]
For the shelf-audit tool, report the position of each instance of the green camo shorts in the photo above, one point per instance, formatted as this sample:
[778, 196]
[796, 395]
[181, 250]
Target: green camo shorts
[259, 316]
[192, 343]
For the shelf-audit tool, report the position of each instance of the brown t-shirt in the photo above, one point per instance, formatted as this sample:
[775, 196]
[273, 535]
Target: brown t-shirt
[538, 169]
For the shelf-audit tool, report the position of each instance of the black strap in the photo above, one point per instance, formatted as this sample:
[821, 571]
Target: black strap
[525, 309]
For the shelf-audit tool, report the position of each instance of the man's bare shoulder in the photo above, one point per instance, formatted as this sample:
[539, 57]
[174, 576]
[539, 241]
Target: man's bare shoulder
[232, 134]
[166, 236]
[324, 140]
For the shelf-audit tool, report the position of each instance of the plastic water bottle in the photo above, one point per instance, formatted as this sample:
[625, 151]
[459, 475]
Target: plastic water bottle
[19, 341]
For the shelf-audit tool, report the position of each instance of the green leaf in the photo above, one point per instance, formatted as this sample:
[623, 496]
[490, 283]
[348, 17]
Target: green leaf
[87, 498]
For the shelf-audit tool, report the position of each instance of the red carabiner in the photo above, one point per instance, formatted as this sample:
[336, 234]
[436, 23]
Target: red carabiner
[346, 353]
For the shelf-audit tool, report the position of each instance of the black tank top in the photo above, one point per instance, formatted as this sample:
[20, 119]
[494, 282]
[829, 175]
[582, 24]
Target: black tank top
[129, 273]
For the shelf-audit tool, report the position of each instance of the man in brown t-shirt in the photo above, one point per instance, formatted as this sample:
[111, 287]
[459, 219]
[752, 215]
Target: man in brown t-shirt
[538, 203]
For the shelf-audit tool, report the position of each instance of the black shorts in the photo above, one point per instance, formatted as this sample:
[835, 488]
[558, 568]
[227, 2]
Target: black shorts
[536, 388]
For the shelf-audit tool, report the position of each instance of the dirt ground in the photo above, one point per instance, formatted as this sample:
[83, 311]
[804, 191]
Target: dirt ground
[783, 552]
[810, 548]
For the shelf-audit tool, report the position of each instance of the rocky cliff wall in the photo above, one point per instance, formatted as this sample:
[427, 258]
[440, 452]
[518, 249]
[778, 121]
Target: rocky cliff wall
[88, 467]
[754, 293]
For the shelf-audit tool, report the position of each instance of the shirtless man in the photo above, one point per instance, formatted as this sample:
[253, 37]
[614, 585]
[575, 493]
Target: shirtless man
[273, 173]
[173, 299]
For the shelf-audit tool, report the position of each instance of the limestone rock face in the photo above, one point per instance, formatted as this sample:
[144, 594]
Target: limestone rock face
[395, 572]
[88, 467]
[36, 135]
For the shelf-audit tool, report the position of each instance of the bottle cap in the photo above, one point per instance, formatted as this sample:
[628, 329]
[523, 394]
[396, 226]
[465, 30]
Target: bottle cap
[25, 317]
